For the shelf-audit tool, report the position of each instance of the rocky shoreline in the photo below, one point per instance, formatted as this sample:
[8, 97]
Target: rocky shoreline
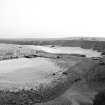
[84, 69]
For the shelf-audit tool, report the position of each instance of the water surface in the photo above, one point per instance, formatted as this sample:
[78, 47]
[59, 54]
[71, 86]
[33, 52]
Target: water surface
[67, 50]
[26, 71]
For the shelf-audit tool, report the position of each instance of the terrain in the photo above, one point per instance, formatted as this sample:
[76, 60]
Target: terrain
[37, 72]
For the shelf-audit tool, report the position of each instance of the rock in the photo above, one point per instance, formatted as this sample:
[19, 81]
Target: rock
[103, 53]
[53, 74]
[102, 63]
[99, 99]
[58, 57]
[65, 73]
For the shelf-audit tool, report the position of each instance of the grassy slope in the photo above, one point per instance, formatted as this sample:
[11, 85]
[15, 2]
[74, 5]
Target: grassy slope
[83, 91]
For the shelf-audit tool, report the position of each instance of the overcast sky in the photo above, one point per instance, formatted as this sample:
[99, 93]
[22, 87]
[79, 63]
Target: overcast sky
[52, 18]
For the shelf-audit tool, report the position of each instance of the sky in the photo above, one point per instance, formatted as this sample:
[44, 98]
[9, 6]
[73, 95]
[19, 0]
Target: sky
[52, 18]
